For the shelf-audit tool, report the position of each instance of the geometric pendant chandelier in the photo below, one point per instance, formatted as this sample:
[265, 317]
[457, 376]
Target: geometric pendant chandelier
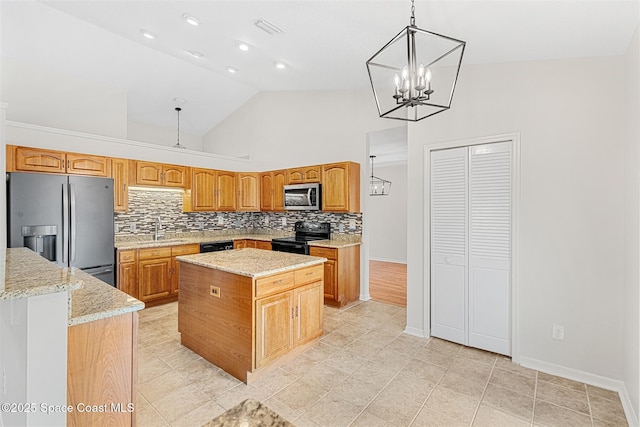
[415, 74]
[378, 186]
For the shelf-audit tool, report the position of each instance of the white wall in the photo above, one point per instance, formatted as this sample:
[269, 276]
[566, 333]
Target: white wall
[387, 216]
[570, 116]
[632, 230]
[55, 98]
[168, 138]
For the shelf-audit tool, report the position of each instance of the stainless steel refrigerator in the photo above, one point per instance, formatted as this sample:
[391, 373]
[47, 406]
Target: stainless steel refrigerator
[66, 219]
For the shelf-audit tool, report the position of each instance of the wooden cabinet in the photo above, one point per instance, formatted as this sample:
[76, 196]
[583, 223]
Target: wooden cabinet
[102, 371]
[341, 187]
[83, 164]
[128, 272]
[25, 159]
[154, 273]
[258, 320]
[248, 191]
[120, 175]
[250, 243]
[212, 190]
[272, 190]
[178, 251]
[341, 274]
[158, 174]
[274, 327]
[287, 319]
[151, 274]
[306, 174]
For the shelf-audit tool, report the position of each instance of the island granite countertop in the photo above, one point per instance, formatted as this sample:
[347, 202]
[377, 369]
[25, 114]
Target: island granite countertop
[252, 262]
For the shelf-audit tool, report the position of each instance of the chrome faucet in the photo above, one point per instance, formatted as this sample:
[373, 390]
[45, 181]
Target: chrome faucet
[158, 228]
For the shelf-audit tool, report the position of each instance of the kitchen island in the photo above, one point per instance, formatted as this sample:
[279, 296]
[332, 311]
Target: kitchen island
[248, 310]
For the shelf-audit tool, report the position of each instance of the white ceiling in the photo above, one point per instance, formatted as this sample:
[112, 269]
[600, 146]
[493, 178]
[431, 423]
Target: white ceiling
[325, 44]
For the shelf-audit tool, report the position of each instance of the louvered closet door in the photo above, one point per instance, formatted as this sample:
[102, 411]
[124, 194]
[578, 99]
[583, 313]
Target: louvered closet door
[489, 247]
[470, 246]
[449, 218]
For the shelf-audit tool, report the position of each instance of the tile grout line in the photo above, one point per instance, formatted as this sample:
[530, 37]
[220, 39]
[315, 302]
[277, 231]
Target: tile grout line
[535, 397]
[586, 390]
[475, 413]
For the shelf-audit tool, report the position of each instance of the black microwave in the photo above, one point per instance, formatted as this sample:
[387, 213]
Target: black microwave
[302, 197]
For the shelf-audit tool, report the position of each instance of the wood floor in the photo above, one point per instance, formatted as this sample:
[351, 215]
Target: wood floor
[388, 282]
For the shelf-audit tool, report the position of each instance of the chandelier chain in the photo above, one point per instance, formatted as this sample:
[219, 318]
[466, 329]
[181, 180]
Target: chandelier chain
[413, 14]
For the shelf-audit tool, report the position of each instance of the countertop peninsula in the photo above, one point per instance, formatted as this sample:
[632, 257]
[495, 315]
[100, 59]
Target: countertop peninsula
[27, 274]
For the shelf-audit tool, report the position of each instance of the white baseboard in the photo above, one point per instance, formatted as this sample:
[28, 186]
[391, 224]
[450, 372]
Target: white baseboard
[587, 378]
[416, 332]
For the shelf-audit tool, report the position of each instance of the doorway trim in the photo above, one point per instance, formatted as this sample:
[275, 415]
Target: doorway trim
[514, 138]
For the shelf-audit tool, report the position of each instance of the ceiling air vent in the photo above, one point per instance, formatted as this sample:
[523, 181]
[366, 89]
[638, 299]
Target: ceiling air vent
[268, 27]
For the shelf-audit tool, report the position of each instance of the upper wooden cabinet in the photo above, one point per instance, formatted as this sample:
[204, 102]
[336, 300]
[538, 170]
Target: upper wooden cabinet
[304, 175]
[272, 190]
[24, 159]
[212, 190]
[248, 191]
[120, 175]
[341, 187]
[158, 174]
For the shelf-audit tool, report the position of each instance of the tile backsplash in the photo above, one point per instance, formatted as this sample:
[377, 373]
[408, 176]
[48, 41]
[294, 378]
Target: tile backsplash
[148, 204]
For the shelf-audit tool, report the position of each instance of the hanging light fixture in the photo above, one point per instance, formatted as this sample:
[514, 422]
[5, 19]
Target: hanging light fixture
[178, 145]
[414, 75]
[378, 186]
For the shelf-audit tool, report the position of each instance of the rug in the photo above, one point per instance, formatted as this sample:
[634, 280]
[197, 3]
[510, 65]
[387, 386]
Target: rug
[249, 413]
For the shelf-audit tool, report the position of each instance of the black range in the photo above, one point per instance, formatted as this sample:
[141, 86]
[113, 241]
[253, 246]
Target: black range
[305, 232]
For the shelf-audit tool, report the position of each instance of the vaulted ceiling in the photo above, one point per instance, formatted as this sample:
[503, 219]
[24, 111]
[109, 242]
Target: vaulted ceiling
[324, 44]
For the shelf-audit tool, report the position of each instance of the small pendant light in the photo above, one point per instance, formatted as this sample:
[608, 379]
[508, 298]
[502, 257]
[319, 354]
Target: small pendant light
[378, 186]
[178, 145]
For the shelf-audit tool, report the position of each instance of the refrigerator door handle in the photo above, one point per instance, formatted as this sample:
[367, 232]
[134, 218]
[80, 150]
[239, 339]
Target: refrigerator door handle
[72, 204]
[65, 224]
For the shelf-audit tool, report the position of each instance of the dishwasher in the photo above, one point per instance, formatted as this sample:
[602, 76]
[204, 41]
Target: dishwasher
[223, 245]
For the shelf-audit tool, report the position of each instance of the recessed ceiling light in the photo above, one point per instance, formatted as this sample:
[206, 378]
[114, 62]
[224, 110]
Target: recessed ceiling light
[243, 46]
[268, 27]
[280, 65]
[196, 54]
[147, 34]
[232, 70]
[191, 20]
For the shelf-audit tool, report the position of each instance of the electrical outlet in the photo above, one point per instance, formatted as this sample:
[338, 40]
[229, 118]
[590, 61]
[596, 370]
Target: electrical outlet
[132, 227]
[341, 227]
[352, 224]
[284, 221]
[266, 220]
[220, 220]
[116, 228]
[557, 333]
[200, 225]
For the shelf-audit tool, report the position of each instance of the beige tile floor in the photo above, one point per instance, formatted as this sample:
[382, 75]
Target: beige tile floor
[364, 372]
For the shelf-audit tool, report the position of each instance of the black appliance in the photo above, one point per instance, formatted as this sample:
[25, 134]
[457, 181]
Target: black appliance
[305, 232]
[224, 245]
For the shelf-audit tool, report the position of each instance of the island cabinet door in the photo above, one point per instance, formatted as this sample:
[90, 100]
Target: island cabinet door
[309, 312]
[274, 327]
[154, 278]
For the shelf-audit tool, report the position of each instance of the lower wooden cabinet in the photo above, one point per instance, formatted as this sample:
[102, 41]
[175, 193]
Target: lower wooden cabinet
[288, 319]
[102, 371]
[250, 243]
[341, 274]
[151, 274]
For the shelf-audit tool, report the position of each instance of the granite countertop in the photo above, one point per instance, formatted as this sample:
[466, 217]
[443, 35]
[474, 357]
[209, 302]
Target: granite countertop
[252, 262]
[27, 274]
[249, 413]
[139, 242]
[98, 300]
